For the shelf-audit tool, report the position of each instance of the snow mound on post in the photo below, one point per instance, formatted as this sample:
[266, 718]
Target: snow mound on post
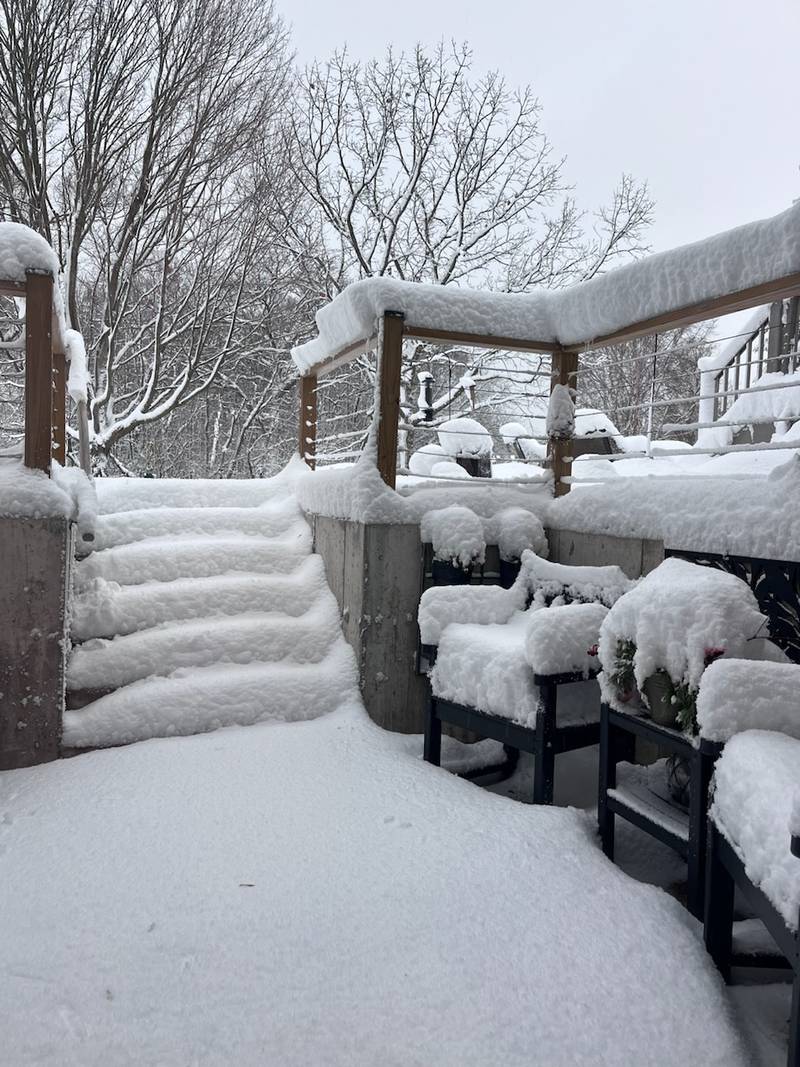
[756, 784]
[737, 695]
[676, 616]
[560, 412]
[456, 533]
[23, 249]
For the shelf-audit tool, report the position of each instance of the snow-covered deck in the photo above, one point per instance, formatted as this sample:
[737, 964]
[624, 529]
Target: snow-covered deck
[313, 894]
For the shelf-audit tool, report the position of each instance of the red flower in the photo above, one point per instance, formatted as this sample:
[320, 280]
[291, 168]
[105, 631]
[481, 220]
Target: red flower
[710, 654]
[592, 651]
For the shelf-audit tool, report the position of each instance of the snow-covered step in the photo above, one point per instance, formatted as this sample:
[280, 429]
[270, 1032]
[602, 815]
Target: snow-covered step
[191, 556]
[206, 698]
[132, 494]
[245, 638]
[106, 609]
[271, 520]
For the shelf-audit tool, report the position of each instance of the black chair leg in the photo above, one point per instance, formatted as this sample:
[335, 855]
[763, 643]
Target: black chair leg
[607, 780]
[793, 1059]
[432, 750]
[545, 758]
[718, 926]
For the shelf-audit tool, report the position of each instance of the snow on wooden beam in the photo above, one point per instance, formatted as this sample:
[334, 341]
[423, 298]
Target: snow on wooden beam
[478, 340]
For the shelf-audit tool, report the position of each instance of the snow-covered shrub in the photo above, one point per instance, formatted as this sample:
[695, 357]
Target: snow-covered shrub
[678, 620]
[514, 531]
[456, 534]
[424, 459]
[465, 437]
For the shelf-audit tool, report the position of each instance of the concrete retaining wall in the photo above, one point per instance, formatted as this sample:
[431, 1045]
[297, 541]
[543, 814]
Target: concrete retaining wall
[375, 573]
[34, 582]
[633, 555]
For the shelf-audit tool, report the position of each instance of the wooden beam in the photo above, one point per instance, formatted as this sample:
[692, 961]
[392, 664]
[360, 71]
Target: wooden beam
[559, 449]
[38, 370]
[308, 419]
[12, 288]
[343, 356]
[775, 345]
[764, 293]
[59, 408]
[479, 340]
[391, 360]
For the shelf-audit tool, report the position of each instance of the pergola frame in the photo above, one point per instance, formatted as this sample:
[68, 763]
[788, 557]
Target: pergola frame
[564, 364]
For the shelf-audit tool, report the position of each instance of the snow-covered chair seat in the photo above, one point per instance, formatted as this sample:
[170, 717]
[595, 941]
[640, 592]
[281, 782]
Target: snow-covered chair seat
[754, 819]
[500, 663]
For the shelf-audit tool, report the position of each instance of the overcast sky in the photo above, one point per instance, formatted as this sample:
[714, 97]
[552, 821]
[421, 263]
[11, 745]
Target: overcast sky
[699, 97]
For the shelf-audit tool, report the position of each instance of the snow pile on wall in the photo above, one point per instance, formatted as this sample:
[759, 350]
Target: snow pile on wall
[465, 437]
[736, 515]
[737, 695]
[456, 533]
[81, 490]
[756, 781]
[726, 263]
[676, 616]
[563, 638]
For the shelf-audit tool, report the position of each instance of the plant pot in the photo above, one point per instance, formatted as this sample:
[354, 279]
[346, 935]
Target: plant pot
[658, 692]
[509, 572]
[446, 572]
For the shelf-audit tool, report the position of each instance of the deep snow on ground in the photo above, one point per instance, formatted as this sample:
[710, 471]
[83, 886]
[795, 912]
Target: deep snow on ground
[312, 893]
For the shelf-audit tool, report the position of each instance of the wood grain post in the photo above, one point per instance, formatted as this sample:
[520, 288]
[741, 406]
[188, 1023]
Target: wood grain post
[391, 362]
[38, 369]
[59, 408]
[775, 344]
[564, 372]
[308, 419]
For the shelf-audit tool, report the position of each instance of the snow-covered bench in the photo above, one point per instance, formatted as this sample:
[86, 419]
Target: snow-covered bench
[754, 832]
[502, 655]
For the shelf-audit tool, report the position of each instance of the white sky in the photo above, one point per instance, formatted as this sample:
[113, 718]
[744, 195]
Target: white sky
[699, 97]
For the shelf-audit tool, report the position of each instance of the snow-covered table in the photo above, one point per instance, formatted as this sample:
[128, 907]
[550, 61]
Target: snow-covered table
[624, 792]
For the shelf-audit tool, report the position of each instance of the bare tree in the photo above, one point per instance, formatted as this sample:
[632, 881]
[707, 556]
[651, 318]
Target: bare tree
[419, 172]
[132, 137]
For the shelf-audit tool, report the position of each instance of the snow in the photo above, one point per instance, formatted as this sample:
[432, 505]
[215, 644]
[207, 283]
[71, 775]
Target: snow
[456, 533]
[563, 638]
[602, 584]
[560, 413]
[668, 281]
[514, 531]
[766, 402]
[675, 615]
[133, 494]
[484, 667]
[482, 604]
[424, 459]
[721, 357]
[27, 493]
[81, 489]
[21, 250]
[197, 699]
[309, 894]
[738, 694]
[78, 378]
[449, 470]
[103, 608]
[190, 555]
[737, 514]
[464, 437]
[755, 784]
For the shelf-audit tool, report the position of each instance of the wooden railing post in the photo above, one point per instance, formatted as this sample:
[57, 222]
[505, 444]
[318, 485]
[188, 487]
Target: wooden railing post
[774, 360]
[59, 408]
[389, 368]
[564, 372]
[38, 369]
[308, 419]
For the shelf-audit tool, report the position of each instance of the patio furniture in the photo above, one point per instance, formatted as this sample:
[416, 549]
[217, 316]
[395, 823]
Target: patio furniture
[502, 656]
[754, 824]
[624, 791]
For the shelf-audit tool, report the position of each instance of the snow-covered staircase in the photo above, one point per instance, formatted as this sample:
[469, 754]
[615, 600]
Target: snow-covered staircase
[200, 606]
